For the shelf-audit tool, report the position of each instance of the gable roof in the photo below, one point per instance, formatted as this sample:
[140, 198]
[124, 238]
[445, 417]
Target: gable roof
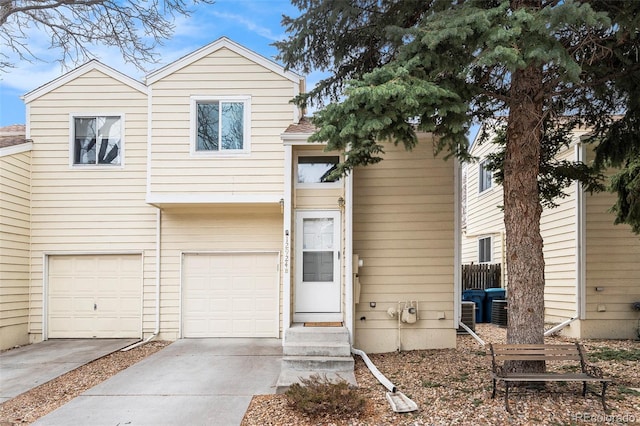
[210, 48]
[92, 65]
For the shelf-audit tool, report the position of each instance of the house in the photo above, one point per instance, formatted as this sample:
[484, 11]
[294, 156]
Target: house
[191, 205]
[15, 160]
[591, 265]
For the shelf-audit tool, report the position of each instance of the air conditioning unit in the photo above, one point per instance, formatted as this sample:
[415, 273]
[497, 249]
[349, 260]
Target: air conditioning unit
[499, 313]
[468, 316]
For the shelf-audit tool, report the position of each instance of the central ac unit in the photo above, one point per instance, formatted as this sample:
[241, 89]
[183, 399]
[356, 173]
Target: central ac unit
[499, 313]
[468, 316]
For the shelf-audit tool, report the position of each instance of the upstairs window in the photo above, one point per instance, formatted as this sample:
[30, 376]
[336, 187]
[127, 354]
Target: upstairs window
[220, 126]
[316, 170]
[484, 250]
[97, 140]
[485, 177]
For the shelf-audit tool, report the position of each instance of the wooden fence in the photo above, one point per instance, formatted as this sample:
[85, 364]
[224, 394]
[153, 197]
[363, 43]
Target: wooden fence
[482, 276]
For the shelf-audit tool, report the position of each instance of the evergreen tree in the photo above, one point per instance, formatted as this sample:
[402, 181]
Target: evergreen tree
[547, 66]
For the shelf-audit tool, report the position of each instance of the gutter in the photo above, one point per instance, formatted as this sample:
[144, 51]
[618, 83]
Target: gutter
[157, 329]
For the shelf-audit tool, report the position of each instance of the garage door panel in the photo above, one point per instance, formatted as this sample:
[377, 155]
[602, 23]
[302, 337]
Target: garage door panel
[233, 284]
[94, 296]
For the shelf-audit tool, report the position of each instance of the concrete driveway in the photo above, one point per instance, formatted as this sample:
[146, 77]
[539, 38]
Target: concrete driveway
[29, 366]
[190, 382]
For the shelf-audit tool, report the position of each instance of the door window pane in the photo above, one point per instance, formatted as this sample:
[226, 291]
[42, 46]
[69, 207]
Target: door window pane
[317, 266]
[318, 234]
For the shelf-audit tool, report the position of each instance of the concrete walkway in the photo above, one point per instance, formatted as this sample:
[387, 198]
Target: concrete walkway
[190, 382]
[24, 368]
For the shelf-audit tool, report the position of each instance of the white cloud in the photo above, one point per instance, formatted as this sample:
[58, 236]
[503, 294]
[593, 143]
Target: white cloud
[262, 31]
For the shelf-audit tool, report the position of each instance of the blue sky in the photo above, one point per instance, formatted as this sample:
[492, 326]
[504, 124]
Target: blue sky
[254, 24]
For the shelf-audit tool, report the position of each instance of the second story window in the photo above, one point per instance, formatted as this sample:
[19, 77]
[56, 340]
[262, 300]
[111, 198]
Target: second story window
[97, 140]
[485, 177]
[220, 126]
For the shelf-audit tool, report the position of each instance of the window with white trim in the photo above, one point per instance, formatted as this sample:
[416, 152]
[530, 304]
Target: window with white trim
[97, 140]
[220, 125]
[316, 170]
[485, 249]
[485, 176]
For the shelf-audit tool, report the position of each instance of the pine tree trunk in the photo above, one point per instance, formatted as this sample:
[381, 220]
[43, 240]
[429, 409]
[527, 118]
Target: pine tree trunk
[522, 211]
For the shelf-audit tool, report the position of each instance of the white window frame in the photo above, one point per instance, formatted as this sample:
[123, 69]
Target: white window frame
[336, 184]
[246, 148]
[72, 140]
[480, 240]
[482, 172]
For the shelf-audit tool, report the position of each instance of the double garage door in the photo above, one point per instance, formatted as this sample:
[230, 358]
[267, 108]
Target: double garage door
[94, 296]
[230, 295]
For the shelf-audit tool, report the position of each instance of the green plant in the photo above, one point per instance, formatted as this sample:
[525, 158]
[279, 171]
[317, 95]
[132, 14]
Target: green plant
[628, 391]
[607, 354]
[318, 395]
[430, 384]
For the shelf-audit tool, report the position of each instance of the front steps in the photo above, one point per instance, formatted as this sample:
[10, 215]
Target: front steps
[315, 350]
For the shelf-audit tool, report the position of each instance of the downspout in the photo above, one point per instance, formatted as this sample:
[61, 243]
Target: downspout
[580, 250]
[349, 284]
[157, 329]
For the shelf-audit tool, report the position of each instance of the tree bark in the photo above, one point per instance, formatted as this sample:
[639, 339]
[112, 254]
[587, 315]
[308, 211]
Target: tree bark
[522, 209]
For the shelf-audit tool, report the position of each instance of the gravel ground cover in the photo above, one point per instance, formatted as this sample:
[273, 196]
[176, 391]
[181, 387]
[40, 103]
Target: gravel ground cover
[451, 387]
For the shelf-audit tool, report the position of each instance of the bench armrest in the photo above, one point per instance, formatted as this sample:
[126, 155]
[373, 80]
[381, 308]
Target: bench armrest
[499, 370]
[594, 371]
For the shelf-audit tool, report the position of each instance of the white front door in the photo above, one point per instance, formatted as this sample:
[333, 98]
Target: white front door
[317, 286]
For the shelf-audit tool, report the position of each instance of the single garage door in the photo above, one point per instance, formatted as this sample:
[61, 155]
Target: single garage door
[230, 295]
[94, 296]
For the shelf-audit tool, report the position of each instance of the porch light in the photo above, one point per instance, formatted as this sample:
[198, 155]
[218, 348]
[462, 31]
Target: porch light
[341, 202]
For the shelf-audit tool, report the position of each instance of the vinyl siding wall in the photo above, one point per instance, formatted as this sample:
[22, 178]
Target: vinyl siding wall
[15, 196]
[558, 227]
[211, 229]
[223, 73]
[483, 213]
[613, 264]
[89, 210]
[404, 233]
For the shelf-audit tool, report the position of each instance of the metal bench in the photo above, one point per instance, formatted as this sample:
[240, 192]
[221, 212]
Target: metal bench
[501, 353]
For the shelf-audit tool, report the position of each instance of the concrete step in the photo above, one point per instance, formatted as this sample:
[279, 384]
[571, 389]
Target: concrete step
[316, 349]
[317, 334]
[318, 363]
[288, 377]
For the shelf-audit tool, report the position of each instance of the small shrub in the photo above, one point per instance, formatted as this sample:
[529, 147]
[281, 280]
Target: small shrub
[318, 396]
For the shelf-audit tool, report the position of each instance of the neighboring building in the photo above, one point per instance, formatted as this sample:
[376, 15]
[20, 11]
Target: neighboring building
[192, 205]
[15, 202]
[591, 265]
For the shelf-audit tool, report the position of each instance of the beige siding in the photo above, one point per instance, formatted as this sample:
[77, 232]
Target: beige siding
[404, 233]
[613, 264]
[223, 73]
[211, 229]
[15, 195]
[558, 227]
[89, 210]
[483, 213]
